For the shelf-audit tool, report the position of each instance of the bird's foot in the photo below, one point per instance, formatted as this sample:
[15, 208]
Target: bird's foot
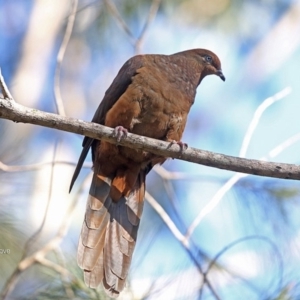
[183, 146]
[120, 132]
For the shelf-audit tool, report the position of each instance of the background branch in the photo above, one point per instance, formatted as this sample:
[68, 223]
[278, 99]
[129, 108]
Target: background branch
[60, 56]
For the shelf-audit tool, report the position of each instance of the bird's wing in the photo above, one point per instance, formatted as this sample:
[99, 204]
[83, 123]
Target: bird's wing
[114, 92]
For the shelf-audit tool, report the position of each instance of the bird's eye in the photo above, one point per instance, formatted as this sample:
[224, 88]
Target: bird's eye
[208, 58]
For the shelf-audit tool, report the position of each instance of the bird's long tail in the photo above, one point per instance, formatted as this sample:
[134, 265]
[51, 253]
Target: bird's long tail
[109, 233]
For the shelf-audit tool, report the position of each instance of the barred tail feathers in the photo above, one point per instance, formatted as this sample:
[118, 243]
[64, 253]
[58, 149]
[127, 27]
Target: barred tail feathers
[109, 234]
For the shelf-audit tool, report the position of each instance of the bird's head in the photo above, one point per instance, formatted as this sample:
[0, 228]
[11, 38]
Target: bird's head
[207, 62]
[210, 62]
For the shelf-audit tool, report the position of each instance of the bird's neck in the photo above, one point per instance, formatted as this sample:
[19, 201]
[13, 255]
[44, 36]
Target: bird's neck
[188, 72]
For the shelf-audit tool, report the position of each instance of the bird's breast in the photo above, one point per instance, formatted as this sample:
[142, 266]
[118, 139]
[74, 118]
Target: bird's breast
[161, 104]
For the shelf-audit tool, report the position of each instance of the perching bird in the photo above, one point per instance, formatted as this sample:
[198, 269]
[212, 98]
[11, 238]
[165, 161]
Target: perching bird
[151, 96]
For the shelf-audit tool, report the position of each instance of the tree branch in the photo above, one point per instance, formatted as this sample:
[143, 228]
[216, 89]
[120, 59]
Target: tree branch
[13, 111]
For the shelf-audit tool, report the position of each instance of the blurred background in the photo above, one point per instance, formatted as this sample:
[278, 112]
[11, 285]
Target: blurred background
[242, 232]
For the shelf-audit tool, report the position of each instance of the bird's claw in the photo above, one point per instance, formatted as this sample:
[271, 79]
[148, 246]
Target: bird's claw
[183, 146]
[120, 132]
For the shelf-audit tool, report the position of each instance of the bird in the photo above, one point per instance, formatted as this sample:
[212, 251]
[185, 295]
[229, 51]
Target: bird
[151, 96]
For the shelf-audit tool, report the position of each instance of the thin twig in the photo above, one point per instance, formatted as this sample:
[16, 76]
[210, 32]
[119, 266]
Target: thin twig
[281, 147]
[151, 15]
[122, 24]
[232, 181]
[241, 240]
[180, 237]
[257, 115]
[165, 174]
[35, 236]
[4, 89]
[168, 221]
[12, 280]
[51, 265]
[57, 94]
[244, 239]
[64, 275]
[136, 42]
[38, 166]
[174, 202]
[210, 206]
[172, 175]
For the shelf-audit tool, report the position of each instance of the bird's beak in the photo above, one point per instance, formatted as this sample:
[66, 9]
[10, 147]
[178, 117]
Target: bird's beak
[221, 75]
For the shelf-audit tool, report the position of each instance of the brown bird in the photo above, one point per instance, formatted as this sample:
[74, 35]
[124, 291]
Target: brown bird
[151, 96]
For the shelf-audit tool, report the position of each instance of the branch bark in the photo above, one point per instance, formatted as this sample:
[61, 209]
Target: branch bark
[15, 112]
